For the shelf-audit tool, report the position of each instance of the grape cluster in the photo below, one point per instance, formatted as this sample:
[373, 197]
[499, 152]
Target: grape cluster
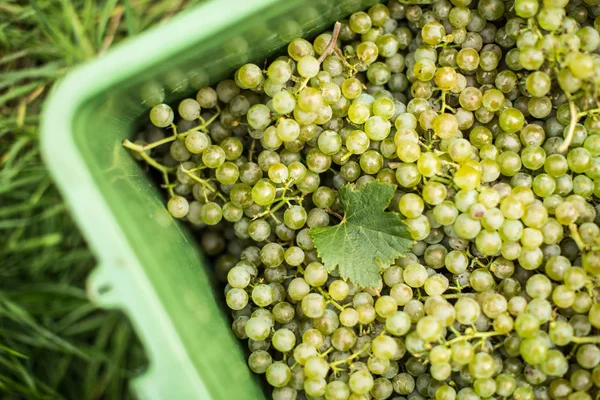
[484, 115]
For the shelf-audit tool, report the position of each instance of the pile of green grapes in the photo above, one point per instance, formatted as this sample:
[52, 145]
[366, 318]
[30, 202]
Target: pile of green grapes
[483, 114]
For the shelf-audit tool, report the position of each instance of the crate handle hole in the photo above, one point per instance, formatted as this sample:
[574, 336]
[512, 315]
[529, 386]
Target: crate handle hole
[104, 289]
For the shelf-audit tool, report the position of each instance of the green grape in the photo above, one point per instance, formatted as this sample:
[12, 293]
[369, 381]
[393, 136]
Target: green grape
[384, 347]
[338, 290]
[526, 325]
[284, 340]
[263, 193]
[466, 227]
[398, 323]
[161, 115]
[579, 160]
[279, 71]
[429, 329]
[467, 310]
[377, 128]
[315, 387]
[361, 382]
[343, 339]
[543, 185]
[371, 161]
[207, 97]
[459, 150]
[481, 366]
[415, 275]
[351, 88]
[357, 142]
[408, 151]
[329, 142]
[445, 125]
[359, 113]
[462, 352]
[424, 69]
[411, 205]
[445, 213]
[428, 164]
[534, 350]
[211, 213]
[178, 206]
[188, 109]
[511, 120]
[259, 116]
[248, 76]
[259, 361]
[288, 130]
[258, 328]
[384, 107]
[278, 374]
[402, 293]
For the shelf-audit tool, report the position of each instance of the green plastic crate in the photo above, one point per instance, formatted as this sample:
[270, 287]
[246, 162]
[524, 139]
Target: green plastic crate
[148, 264]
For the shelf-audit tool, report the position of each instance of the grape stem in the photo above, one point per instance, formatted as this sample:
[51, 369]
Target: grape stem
[202, 182]
[589, 339]
[347, 156]
[281, 202]
[447, 296]
[330, 48]
[445, 106]
[594, 111]
[572, 124]
[330, 211]
[251, 151]
[577, 237]
[162, 168]
[351, 67]
[167, 185]
[323, 354]
[332, 43]
[350, 358]
[140, 149]
[152, 162]
[330, 300]
[476, 335]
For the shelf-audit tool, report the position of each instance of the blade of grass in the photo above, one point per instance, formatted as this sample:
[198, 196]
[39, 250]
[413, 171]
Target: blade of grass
[13, 56]
[130, 19]
[60, 370]
[16, 313]
[13, 352]
[88, 17]
[19, 91]
[48, 71]
[75, 316]
[82, 40]
[23, 373]
[47, 240]
[107, 10]
[90, 382]
[57, 37]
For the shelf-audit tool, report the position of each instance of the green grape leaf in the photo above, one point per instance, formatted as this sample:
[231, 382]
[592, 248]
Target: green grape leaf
[367, 239]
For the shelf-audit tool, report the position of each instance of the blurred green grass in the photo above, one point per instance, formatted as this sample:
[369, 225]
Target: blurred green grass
[54, 343]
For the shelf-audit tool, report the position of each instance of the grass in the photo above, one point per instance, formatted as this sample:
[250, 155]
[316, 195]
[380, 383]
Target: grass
[54, 343]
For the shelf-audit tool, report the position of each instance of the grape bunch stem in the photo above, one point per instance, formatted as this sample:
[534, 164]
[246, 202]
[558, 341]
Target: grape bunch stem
[331, 47]
[572, 124]
[334, 364]
[475, 335]
[202, 127]
[203, 182]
